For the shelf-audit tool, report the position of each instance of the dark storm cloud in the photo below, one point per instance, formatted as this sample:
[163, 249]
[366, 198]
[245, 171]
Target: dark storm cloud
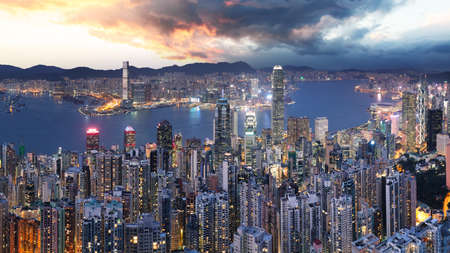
[267, 22]
[295, 24]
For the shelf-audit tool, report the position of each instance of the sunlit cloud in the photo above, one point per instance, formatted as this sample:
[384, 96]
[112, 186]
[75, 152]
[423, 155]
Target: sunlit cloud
[216, 30]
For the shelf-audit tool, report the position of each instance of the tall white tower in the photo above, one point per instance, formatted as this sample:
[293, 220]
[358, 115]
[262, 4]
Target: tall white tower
[125, 80]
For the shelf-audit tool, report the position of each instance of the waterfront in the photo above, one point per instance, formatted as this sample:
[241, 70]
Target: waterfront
[43, 125]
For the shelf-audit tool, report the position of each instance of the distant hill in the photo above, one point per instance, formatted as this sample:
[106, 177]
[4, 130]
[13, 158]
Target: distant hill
[439, 77]
[53, 73]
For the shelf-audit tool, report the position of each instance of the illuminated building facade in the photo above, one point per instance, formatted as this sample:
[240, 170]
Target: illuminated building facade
[125, 81]
[69, 227]
[144, 236]
[164, 135]
[298, 127]
[4, 223]
[277, 104]
[448, 111]
[421, 114]
[447, 167]
[251, 239]
[409, 120]
[212, 211]
[341, 224]
[251, 204]
[50, 228]
[290, 227]
[92, 139]
[250, 137]
[108, 171]
[321, 129]
[395, 124]
[129, 142]
[254, 87]
[25, 235]
[222, 131]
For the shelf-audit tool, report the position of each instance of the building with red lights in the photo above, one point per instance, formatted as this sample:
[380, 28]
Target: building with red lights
[92, 139]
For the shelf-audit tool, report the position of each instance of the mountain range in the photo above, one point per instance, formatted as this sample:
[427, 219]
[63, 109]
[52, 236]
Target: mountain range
[52, 73]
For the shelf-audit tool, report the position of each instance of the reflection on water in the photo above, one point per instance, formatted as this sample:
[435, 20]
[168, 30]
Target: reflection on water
[43, 125]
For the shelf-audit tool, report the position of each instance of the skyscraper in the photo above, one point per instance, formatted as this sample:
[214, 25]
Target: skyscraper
[92, 139]
[447, 166]
[277, 104]
[421, 111]
[254, 87]
[108, 172]
[213, 220]
[395, 118]
[409, 120]
[298, 127]
[129, 142]
[434, 127]
[251, 203]
[448, 111]
[125, 81]
[164, 135]
[222, 131]
[50, 228]
[341, 224]
[250, 137]
[392, 210]
[290, 224]
[321, 129]
[4, 224]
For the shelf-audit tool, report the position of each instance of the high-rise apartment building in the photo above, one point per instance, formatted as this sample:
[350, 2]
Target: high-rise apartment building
[4, 224]
[212, 210]
[341, 224]
[251, 204]
[145, 236]
[108, 172]
[251, 239]
[290, 223]
[51, 230]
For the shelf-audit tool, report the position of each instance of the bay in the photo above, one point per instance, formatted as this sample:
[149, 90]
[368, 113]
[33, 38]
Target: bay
[44, 125]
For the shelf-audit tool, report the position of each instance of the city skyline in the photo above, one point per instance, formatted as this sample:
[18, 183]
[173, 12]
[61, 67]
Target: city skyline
[329, 34]
[225, 126]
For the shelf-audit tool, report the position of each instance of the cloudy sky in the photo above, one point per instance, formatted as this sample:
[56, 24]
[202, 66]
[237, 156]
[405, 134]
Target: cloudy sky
[328, 34]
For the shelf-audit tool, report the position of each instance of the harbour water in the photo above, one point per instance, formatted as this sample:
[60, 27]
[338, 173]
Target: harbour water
[44, 125]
